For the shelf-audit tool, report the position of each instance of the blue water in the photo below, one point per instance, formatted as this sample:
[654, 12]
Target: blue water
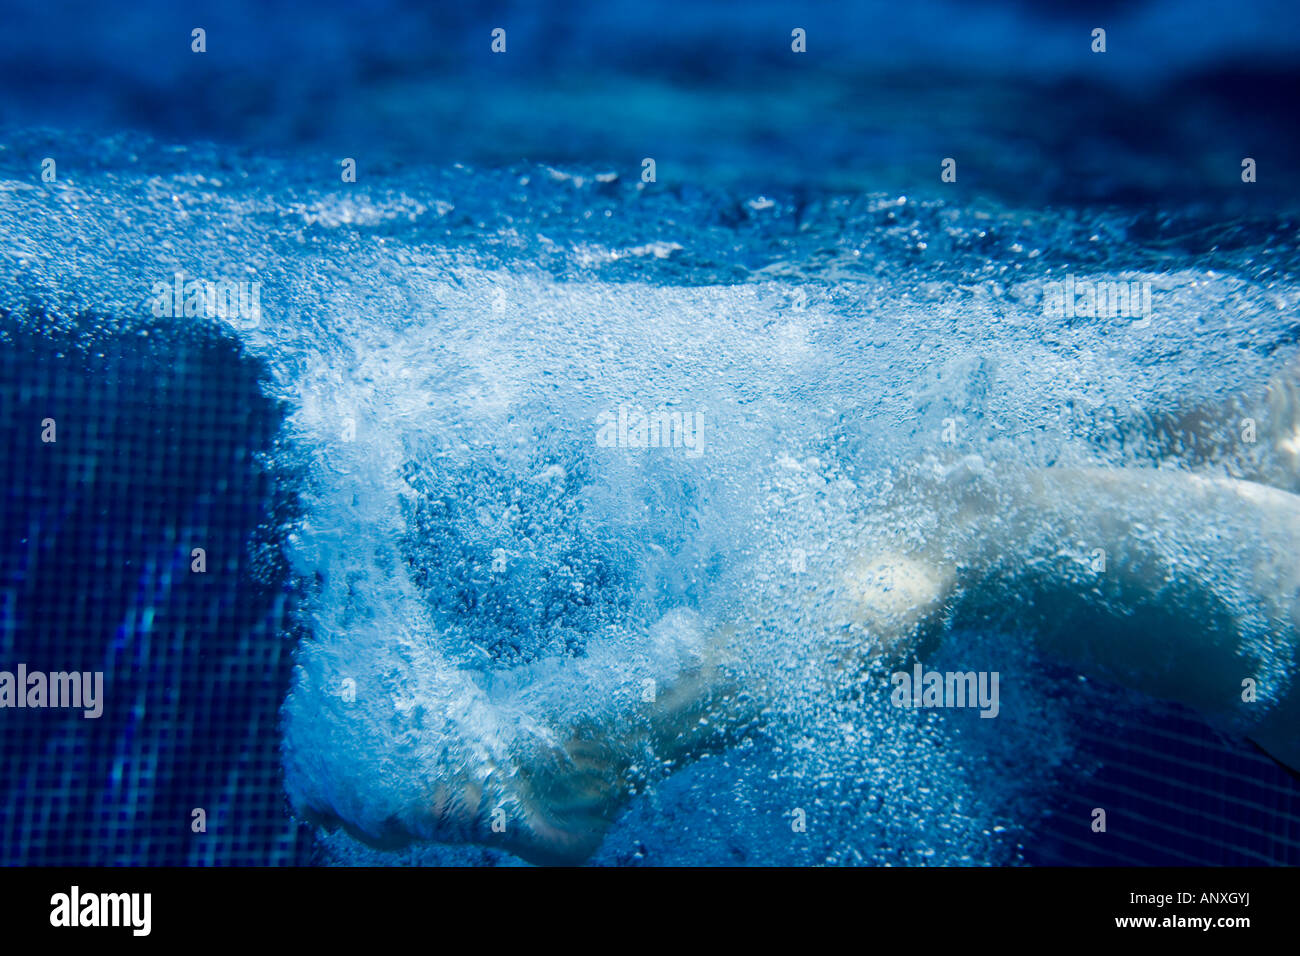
[414, 403]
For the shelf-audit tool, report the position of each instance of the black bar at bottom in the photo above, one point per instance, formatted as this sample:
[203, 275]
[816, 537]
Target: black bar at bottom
[530, 906]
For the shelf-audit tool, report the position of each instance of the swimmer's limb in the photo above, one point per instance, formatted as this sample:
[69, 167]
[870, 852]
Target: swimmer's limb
[1180, 586]
[1183, 587]
[521, 772]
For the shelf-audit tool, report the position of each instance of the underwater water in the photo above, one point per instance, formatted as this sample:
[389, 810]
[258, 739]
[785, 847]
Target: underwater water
[396, 467]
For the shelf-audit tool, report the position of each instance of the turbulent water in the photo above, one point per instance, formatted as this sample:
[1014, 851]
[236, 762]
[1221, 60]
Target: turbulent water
[445, 341]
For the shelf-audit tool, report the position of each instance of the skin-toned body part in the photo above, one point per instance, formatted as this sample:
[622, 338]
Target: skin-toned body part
[1183, 586]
